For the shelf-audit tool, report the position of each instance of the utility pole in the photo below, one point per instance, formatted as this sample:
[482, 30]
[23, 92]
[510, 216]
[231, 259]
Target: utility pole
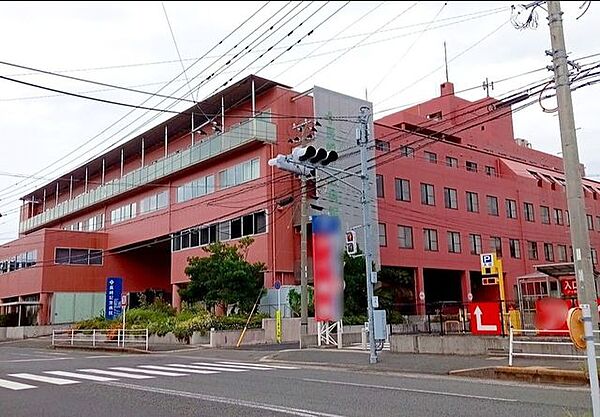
[584, 270]
[362, 141]
[303, 261]
[582, 261]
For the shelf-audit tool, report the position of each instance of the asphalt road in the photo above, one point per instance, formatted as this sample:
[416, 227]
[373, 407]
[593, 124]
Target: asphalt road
[237, 383]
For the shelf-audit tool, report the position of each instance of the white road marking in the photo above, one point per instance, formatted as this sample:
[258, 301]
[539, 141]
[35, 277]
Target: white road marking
[146, 371]
[256, 365]
[42, 378]
[229, 401]
[208, 367]
[171, 369]
[117, 374]
[415, 390]
[225, 365]
[80, 376]
[15, 386]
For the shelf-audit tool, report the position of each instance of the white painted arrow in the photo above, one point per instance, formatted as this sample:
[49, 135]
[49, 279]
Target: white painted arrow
[483, 327]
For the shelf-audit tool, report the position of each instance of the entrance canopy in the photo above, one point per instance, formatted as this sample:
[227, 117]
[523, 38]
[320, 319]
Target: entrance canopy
[559, 270]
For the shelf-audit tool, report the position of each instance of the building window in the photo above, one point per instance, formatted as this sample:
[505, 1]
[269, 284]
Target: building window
[452, 162]
[471, 166]
[475, 243]
[430, 238]
[405, 237]
[239, 174]
[491, 171]
[123, 213]
[379, 183]
[549, 252]
[515, 248]
[496, 245]
[200, 187]
[532, 249]
[402, 189]
[74, 256]
[492, 204]
[407, 151]
[154, 202]
[20, 261]
[382, 235]
[590, 221]
[453, 242]
[450, 198]
[558, 217]
[567, 218]
[472, 202]
[598, 221]
[562, 253]
[427, 194]
[248, 225]
[511, 209]
[382, 145]
[594, 257]
[545, 214]
[431, 157]
[528, 212]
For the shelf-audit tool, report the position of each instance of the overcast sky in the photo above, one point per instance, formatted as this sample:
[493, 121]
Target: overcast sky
[391, 50]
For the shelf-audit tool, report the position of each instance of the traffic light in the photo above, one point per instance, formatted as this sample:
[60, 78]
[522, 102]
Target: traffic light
[303, 160]
[351, 246]
[314, 155]
[287, 164]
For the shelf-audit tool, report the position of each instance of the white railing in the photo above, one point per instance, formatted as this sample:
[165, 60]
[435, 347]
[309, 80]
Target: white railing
[560, 338]
[95, 338]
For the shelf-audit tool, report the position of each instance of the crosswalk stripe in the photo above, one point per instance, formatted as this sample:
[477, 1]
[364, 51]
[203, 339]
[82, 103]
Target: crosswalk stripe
[117, 374]
[245, 368]
[257, 365]
[81, 376]
[146, 371]
[15, 386]
[42, 378]
[167, 368]
[208, 367]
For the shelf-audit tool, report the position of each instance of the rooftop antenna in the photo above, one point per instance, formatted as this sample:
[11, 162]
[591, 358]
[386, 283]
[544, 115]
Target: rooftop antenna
[446, 61]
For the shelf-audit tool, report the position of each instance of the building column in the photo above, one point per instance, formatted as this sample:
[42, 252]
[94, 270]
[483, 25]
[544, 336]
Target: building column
[465, 283]
[420, 296]
[175, 297]
[44, 310]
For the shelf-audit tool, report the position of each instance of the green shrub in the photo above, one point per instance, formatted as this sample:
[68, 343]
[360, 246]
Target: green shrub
[353, 320]
[200, 322]
[237, 322]
[3, 320]
[94, 323]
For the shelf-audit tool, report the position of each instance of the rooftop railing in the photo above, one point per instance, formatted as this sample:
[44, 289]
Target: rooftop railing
[245, 132]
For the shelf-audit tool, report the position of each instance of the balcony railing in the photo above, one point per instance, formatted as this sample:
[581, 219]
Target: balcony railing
[255, 129]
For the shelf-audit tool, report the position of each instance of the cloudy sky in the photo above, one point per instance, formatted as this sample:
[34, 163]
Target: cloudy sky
[391, 50]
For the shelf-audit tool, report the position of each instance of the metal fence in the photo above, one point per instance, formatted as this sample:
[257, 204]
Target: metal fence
[443, 317]
[113, 338]
[544, 343]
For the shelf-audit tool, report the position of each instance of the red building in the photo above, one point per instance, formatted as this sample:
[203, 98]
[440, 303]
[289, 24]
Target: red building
[457, 184]
[452, 182]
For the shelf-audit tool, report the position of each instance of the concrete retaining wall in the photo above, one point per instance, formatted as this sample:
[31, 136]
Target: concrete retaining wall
[25, 332]
[449, 345]
[229, 338]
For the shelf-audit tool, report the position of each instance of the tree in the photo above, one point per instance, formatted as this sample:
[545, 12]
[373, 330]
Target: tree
[355, 291]
[295, 301]
[224, 277]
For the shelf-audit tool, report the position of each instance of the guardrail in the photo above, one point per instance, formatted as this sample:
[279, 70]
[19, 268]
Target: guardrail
[118, 338]
[555, 334]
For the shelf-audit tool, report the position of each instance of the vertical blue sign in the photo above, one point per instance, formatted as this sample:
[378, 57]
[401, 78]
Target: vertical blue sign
[114, 288]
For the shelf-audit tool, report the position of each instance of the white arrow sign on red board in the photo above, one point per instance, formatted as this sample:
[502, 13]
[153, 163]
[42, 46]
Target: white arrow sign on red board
[483, 327]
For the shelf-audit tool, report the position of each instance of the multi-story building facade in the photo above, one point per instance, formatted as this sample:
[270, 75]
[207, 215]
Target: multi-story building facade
[451, 181]
[455, 184]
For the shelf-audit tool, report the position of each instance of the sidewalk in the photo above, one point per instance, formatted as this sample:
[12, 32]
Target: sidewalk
[478, 366]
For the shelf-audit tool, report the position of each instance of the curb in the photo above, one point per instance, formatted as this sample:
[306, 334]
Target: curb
[101, 348]
[533, 374]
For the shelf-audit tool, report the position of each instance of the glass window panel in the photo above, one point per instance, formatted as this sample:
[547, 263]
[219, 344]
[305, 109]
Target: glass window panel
[95, 257]
[185, 239]
[260, 222]
[224, 231]
[195, 238]
[210, 184]
[204, 236]
[236, 228]
[255, 168]
[79, 257]
[212, 233]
